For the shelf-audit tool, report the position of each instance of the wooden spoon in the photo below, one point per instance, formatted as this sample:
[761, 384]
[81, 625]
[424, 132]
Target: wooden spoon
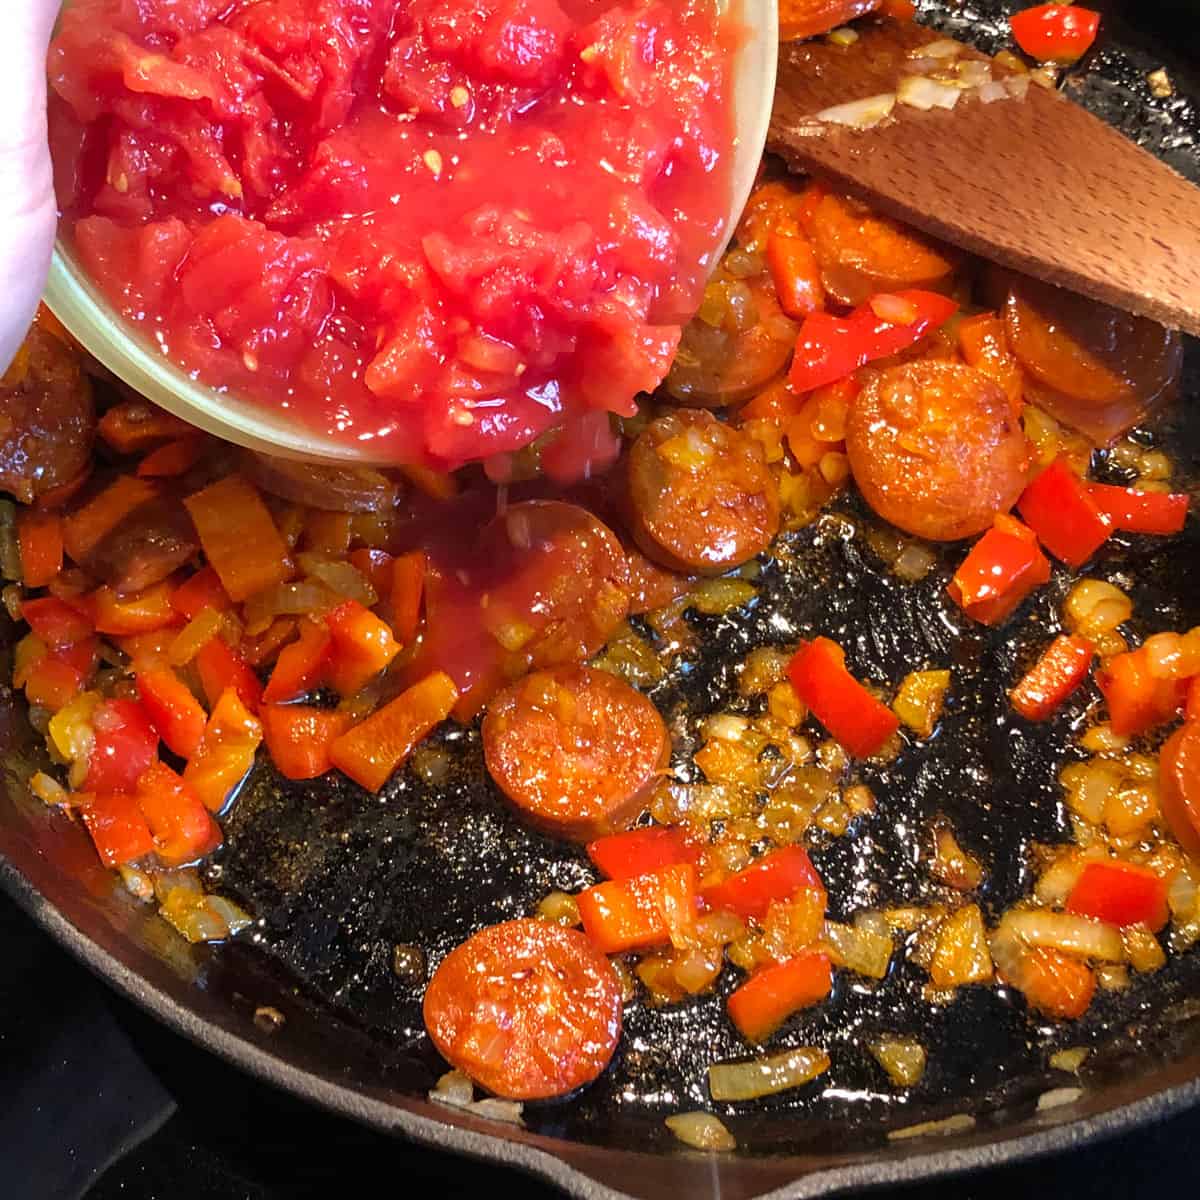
[1034, 183]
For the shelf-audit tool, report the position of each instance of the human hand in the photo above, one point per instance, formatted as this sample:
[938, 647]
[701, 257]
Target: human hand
[27, 208]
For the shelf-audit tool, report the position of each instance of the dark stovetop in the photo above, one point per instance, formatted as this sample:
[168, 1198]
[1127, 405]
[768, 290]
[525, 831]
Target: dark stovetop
[99, 1101]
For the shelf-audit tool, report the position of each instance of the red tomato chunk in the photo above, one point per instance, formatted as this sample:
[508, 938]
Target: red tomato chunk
[444, 227]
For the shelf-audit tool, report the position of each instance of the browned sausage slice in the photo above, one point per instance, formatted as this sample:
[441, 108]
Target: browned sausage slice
[700, 495]
[715, 367]
[1179, 785]
[1092, 367]
[575, 749]
[935, 449]
[861, 253]
[527, 1009]
[47, 420]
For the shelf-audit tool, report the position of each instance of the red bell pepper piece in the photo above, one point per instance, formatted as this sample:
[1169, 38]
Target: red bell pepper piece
[1138, 701]
[829, 348]
[407, 591]
[777, 876]
[851, 714]
[370, 752]
[143, 613]
[56, 678]
[1000, 571]
[1192, 704]
[642, 851]
[40, 540]
[795, 273]
[301, 666]
[181, 826]
[1141, 512]
[118, 828]
[221, 667]
[173, 459]
[376, 568]
[1055, 983]
[172, 709]
[1055, 676]
[1059, 508]
[1120, 893]
[1055, 33]
[635, 914]
[231, 740]
[772, 994]
[299, 737]
[362, 647]
[125, 745]
[57, 623]
[202, 590]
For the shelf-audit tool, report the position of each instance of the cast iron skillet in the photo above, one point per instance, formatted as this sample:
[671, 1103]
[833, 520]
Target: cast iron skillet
[338, 878]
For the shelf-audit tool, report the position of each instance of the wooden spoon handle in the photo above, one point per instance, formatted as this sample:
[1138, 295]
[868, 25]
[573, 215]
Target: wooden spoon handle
[1037, 184]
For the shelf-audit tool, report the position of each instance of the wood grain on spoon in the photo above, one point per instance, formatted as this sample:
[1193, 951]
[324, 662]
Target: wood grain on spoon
[1037, 184]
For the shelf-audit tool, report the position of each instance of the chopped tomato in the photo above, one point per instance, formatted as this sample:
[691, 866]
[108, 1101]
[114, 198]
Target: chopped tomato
[1000, 571]
[851, 714]
[642, 851]
[635, 914]
[1055, 676]
[777, 876]
[118, 828]
[299, 738]
[1060, 509]
[1141, 512]
[829, 348]
[1120, 893]
[126, 743]
[181, 826]
[774, 993]
[172, 709]
[1055, 33]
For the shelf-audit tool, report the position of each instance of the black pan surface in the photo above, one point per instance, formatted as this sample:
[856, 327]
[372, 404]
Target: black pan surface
[337, 877]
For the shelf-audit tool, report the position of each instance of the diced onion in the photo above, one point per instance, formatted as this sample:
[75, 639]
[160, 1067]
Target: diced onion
[1143, 949]
[918, 91]
[453, 1088]
[1070, 1059]
[48, 789]
[714, 597]
[701, 1131]
[1017, 86]
[860, 114]
[1095, 606]
[559, 908]
[346, 580]
[1078, 936]
[1181, 895]
[896, 310]
[943, 48]
[498, 1110]
[1056, 881]
[726, 727]
[863, 951]
[914, 562]
[1057, 1097]
[766, 1076]
[959, 1123]
[991, 91]
[902, 1058]
[845, 36]
[973, 72]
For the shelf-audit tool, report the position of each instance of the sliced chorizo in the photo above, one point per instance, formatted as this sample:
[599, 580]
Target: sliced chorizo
[1179, 785]
[47, 418]
[154, 540]
[861, 253]
[1092, 367]
[935, 449]
[700, 496]
[577, 750]
[527, 1009]
[726, 358]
